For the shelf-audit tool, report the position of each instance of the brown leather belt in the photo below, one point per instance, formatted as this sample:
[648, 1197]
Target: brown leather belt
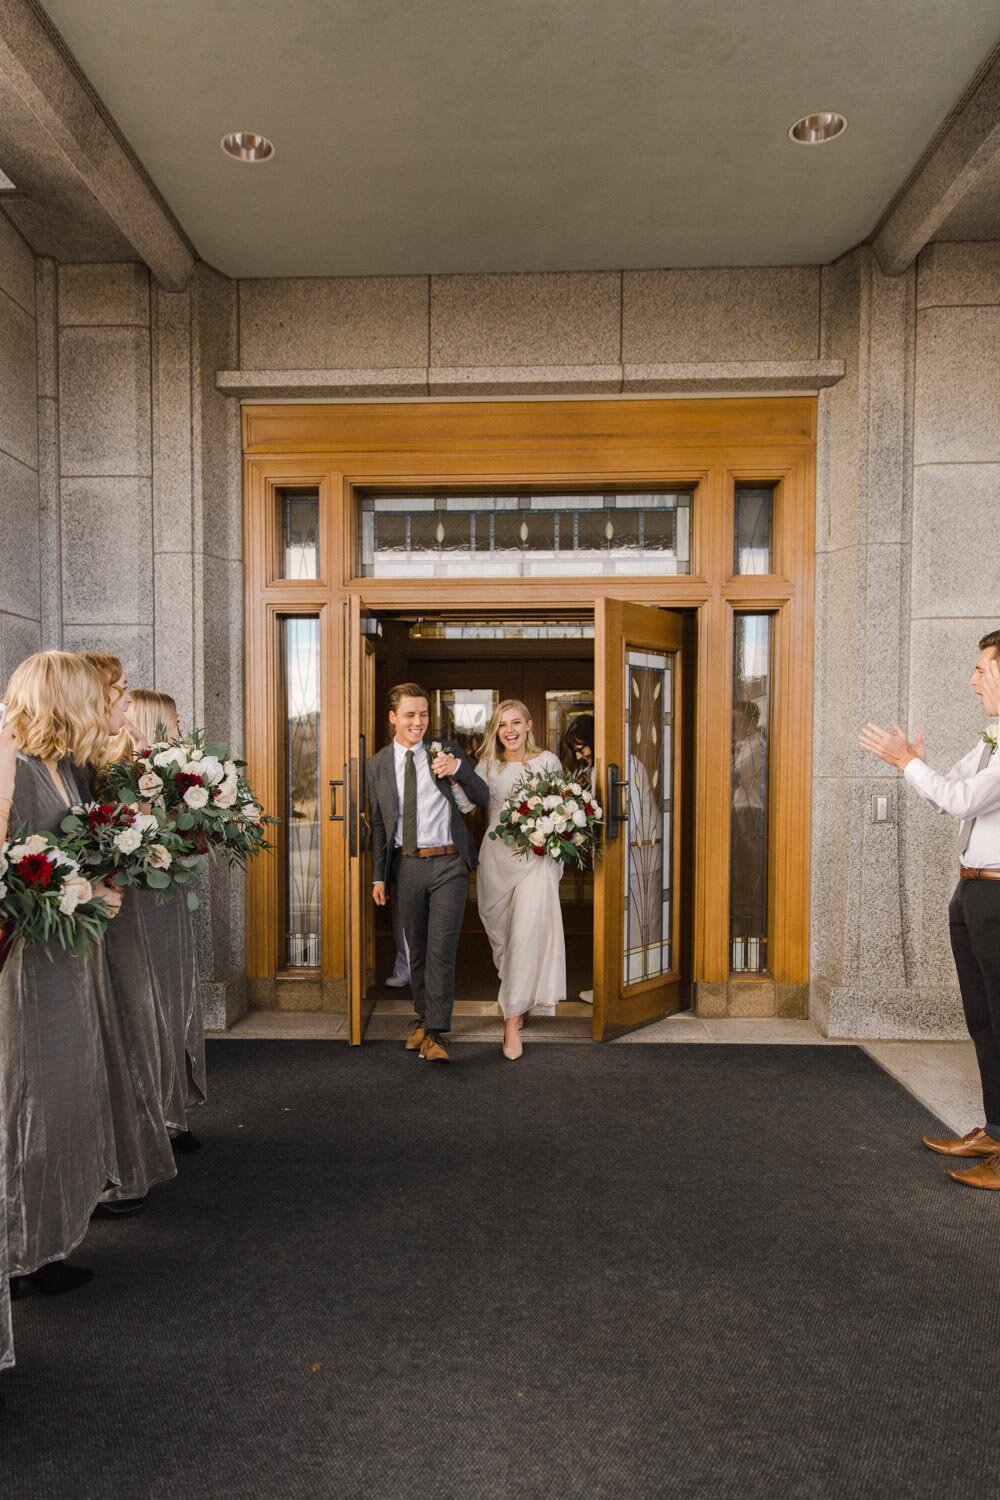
[966, 874]
[433, 853]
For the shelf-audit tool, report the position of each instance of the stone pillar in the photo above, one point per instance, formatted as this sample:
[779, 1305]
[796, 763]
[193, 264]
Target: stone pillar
[20, 610]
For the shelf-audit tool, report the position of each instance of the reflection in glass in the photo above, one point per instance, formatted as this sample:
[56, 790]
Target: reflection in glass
[426, 536]
[748, 836]
[461, 715]
[754, 518]
[300, 664]
[300, 533]
[447, 629]
[648, 719]
[561, 708]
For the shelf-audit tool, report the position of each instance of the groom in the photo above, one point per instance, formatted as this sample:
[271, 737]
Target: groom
[420, 845]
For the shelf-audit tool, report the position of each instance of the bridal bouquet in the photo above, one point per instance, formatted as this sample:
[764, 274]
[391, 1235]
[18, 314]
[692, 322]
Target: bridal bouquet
[201, 791]
[548, 813]
[45, 897]
[114, 841]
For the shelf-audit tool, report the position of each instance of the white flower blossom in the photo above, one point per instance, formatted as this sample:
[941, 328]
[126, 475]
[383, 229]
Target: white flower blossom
[576, 789]
[174, 756]
[251, 812]
[580, 818]
[159, 857]
[150, 784]
[36, 844]
[196, 796]
[3, 860]
[128, 840]
[551, 801]
[210, 770]
[74, 893]
[579, 838]
[536, 838]
[230, 769]
[225, 794]
[3, 890]
[196, 754]
[544, 825]
[145, 822]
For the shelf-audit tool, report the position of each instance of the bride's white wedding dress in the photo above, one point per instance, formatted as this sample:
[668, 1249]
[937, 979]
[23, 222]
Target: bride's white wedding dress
[519, 903]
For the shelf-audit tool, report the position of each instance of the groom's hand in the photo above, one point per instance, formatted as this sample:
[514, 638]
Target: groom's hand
[378, 893]
[445, 765]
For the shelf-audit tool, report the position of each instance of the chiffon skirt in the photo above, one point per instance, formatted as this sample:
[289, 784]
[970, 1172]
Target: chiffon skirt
[170, 937]
[133, 1058]
[58, 1138]
[519, 906]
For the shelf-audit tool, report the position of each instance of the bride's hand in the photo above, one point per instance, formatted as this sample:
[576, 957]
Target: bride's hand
[445, 765]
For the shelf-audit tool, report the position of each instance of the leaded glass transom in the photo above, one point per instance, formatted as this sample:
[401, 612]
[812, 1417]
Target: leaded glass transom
[648, 740]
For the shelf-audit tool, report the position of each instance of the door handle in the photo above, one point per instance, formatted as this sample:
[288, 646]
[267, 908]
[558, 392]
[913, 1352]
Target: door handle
[335, 786]
[616, 804]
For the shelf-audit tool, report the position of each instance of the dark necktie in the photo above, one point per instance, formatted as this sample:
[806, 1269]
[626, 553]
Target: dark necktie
[409, 804]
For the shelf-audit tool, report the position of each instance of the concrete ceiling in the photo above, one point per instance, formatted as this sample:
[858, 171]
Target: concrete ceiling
[471, 135]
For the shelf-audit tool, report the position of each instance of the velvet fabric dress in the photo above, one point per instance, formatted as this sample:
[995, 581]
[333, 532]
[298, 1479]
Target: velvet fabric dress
[170, 936]
[58, 1139]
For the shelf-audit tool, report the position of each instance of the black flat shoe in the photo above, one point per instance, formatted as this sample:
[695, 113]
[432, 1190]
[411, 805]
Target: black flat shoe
[124, 1208]
[52, 1280]
[185, 1144]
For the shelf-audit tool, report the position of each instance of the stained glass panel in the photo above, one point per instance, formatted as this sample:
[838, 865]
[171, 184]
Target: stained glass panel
[299, 533]
[748, 825]
[754, 524]
[648, 740]
[300, 661]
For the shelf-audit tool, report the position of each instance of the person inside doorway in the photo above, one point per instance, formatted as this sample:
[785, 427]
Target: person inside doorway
[579, 743]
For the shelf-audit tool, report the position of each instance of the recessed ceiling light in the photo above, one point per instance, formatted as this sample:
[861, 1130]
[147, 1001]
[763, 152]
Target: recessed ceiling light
[817, 129]
[245, 145]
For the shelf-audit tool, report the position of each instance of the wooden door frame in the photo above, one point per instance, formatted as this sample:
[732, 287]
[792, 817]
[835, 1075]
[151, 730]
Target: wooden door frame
[710, 444]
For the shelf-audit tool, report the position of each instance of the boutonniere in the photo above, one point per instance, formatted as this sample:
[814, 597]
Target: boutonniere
[436, 748]
[990, 734]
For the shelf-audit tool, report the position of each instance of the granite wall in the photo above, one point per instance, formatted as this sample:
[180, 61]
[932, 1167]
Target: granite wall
[20, 560]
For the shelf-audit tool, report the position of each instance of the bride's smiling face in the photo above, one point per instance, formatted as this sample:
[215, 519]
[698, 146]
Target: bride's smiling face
[513, 732]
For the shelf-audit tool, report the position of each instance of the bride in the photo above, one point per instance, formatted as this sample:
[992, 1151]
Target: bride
[519, 898]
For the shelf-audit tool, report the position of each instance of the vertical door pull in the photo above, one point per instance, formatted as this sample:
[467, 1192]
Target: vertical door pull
[616, 804]
[335, 786]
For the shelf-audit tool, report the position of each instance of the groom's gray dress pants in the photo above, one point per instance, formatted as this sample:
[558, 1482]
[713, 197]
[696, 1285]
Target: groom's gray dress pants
[432, 894]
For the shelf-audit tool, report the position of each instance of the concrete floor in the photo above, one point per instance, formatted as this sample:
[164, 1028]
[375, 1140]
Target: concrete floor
[942, 1075]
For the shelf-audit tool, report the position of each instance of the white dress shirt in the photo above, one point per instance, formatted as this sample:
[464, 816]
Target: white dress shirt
[966, 792]
[433, 809]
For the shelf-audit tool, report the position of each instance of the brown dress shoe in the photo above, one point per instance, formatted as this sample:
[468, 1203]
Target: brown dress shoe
[974, 1143]
[415, 1040]
[433, 1050]
[985, 1175]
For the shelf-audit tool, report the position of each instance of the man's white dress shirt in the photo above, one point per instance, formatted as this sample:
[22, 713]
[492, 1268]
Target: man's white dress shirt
[433, 809]
[966, 792]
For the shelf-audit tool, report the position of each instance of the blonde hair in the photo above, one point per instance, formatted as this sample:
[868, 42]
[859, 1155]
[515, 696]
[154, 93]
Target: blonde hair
[110, 670]
[490, 751]
[56, 708]
[151, 712]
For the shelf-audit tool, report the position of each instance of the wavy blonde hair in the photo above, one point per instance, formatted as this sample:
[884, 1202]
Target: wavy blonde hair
[151, 712]
[110, 670]
[56, 708]
[490, 751]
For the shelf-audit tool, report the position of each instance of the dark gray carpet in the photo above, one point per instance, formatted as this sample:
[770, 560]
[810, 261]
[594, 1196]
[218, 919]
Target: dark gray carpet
[692, 1271]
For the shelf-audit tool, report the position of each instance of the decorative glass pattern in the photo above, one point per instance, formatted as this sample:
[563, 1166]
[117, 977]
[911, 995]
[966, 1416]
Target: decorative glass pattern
[299, 533]
[561, 708]
[648, 876]
[300, 662]
[748, 825]
[461, 715]
[754, 525]
[501, 630]
[442, 536]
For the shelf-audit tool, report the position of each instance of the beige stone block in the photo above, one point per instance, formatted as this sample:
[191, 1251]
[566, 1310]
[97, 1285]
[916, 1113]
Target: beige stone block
[47, 344]
[104, 295]
[337, 322]
[957, 401]
[19, 560]
[752, 998]
[837, 456]
[104, 402]
[173, 519]
[711, 999]
[132, 643]
[526, 380]
[791, 1000]
[107, 549]
[955, 563]
[959, 275]
[942, 654]
[174, 630]
[748, 313]
[567, 318]
[19, 638]
[838, 656]
[17, 266]
[18, 413]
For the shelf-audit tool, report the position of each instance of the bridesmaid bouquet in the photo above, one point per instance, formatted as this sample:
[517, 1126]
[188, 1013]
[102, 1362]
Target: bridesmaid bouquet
[45, 897]
[201, 791]
[114, 841]
[548, 813]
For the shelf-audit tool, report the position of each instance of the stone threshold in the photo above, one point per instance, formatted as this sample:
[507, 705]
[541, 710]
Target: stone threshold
[733, 378]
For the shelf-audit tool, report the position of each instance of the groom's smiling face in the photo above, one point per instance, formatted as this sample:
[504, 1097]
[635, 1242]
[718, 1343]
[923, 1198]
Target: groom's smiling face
[409, 720]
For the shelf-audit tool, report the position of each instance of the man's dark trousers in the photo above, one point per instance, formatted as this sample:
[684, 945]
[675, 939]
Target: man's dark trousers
[432, 894]
[974, 920]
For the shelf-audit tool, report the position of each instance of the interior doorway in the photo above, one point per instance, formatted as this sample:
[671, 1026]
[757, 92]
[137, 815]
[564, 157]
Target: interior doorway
[468, 666]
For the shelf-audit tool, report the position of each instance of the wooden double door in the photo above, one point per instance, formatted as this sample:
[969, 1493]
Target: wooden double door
[641, 680]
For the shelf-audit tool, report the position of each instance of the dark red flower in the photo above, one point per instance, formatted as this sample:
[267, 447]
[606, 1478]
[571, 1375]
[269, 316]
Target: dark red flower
[183, 780]
[104, 812]
[524, 809]
[36, 869]
[588, 808]
[129, 815]
[537, 849]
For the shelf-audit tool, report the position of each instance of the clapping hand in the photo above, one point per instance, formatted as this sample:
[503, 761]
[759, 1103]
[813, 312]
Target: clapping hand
[892, 745]
[445, 764]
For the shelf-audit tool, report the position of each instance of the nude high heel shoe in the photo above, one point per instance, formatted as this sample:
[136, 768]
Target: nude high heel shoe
[512, 1050]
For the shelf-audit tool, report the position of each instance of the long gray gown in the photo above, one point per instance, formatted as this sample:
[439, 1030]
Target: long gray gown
[170, 935]
[58, 1141]
[6, 1331]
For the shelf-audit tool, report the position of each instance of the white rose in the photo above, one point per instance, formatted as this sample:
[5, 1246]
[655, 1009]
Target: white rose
[196, 796]
[196, 754]
[160, 857]
[3, 860]
[174, 756]
[576, 788]
[579, 838]
[251, 812]
[3, 890]
[59, 857]
[544, 825]
[580, 818]
[230, 769]
[145, 822]
[128, 840]
[18, 852]
[74, 893]
[534, 801]
[210, 770]
[597, 809]
[150, 784]
[515, 817]
[570, 805]
[225, 794]
[538, 839]
[552, 801]
[35, 844]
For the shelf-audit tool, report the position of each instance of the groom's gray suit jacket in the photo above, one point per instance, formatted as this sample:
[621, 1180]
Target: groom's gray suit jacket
[384, 798]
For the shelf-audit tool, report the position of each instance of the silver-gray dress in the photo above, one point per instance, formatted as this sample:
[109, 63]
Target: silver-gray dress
[58, 1142]
[135, 1064]
[170, 935]
[6, 1331]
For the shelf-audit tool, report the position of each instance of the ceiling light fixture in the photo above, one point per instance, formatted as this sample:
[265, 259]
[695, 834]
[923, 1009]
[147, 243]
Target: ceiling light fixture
[246, 145]
[817, 129]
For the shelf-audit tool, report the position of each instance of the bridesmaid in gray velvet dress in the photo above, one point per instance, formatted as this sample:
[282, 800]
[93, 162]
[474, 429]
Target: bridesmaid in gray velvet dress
[170, 931]
[54, 1097]
[129, 1026]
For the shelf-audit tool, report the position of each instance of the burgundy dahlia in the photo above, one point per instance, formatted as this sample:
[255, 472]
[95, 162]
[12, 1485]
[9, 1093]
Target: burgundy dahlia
[36, 869]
